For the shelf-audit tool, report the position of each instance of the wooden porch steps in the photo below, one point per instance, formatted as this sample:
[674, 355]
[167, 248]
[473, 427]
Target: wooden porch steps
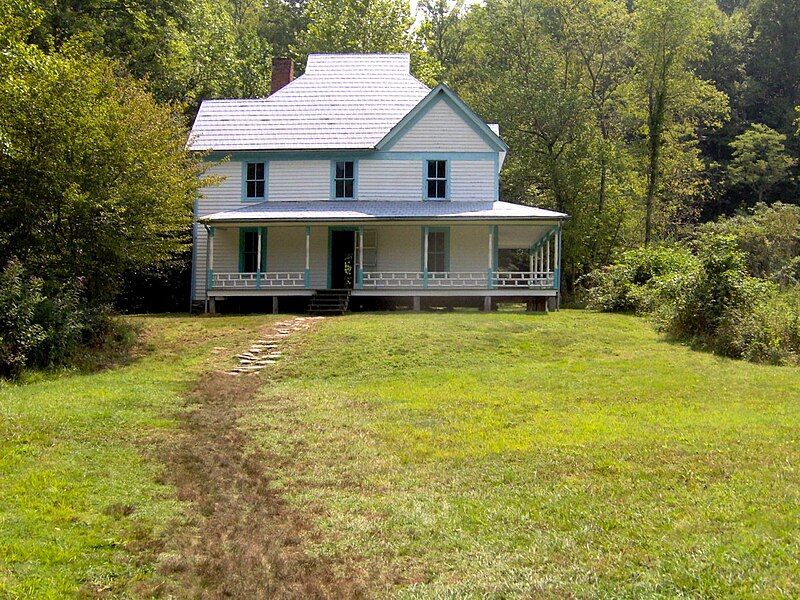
[329, 302]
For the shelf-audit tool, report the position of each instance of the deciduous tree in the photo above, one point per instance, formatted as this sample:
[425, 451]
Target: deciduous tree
[760, 161]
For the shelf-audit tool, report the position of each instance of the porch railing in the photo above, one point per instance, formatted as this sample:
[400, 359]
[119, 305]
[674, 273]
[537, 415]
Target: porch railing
[398, 280]
[254, 281]
[466, 280]
[526, 280]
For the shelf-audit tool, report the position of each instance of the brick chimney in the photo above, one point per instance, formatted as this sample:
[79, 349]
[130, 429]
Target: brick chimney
[282, 73]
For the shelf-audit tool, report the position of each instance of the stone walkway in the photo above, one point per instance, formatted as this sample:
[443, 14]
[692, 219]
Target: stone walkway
[267, 351]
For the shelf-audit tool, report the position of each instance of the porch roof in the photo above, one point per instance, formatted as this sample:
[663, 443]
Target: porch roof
[328, 211]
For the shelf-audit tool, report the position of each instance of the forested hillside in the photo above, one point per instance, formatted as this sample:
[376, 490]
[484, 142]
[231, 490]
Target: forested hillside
[639, 118]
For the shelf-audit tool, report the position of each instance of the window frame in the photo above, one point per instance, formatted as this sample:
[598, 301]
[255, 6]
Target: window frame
[242, 236]
[445, 231]
[426, 179]
[334, 179]
[246, 180]
[371, 231]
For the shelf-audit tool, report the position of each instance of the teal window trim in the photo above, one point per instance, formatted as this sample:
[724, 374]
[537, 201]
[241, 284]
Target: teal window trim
[447, 164]
[333, 178]
[242, 230]
[245, 197]
[427, 231]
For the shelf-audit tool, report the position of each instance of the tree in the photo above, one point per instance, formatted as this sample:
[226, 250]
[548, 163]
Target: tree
[94, 177]
[775, 64]
[364, 26]
[442, 31]
[671, 36]
[356, 26]
[760, 161]
[554, 74]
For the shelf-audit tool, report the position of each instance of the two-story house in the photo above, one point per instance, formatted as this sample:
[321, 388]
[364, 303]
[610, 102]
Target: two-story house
[356, 181]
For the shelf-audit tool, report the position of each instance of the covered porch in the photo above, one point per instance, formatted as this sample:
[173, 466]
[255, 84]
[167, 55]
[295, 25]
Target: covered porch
[375, 257]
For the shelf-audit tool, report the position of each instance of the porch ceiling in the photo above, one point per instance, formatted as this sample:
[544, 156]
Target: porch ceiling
[350, 211]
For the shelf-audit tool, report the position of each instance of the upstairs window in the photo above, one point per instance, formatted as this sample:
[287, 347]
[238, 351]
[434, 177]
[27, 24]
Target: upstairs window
[437, 180]
[255, 181]
[344, 179]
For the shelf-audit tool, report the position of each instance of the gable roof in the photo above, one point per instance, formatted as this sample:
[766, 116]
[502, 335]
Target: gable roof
[342, 101]
[488, 132]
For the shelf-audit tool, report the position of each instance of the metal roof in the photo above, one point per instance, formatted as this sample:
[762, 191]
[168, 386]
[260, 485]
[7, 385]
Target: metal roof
[342, 101]
[336, 210]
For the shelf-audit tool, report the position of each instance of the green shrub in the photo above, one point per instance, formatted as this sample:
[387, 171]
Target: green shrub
[45, 326]
[769, 237]
[625, 286]
[20, 333]
[722, 308]
[770, 333]
[62, 318]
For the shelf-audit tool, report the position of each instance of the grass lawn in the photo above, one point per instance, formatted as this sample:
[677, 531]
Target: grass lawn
[438, 455]
[78, 496]
[573, 454]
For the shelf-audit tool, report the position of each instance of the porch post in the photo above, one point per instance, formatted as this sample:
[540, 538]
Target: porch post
[530, 260]
[307, 275]
[557, 269]
[547, 264]
[258, 260]
[425, 256]
[490, 269]
[210, 283]
[360, 271]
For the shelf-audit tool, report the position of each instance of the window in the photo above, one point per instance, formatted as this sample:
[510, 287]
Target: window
[344, 179]
[248, 250]
[437, 179]
[255, 180]
[437, 253]
[370, 248]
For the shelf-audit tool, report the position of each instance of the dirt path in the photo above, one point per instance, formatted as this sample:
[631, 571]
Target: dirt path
[243, 540]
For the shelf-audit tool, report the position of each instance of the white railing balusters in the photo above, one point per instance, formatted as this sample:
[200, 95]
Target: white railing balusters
[538, 278]
[253, 281]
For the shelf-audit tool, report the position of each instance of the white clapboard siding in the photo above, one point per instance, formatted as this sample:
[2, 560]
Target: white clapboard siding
[472, 180]
[469, 248]
[299, 180]
[399, 248]
[224, 195]
[286, 248]
[441, 129]
[389, 179]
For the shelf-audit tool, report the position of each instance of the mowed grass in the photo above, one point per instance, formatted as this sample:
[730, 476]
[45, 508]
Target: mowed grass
[516, 455]
[80, 498]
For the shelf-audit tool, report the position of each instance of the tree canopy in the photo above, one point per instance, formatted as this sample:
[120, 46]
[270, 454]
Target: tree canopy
[639, 118]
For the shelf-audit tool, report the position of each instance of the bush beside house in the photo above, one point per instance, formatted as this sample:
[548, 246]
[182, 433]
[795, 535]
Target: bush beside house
[734, 293]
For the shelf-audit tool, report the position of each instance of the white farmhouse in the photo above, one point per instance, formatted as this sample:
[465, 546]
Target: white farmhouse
[355, 183]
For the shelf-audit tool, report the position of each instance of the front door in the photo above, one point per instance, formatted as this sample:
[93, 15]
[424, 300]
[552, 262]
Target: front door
[343, 255]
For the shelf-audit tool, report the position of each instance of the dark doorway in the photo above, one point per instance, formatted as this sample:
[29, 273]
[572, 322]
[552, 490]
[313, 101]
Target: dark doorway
[343, 254]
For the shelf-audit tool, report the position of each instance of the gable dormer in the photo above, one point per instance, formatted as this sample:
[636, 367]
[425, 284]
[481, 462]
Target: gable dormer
[442, 122]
